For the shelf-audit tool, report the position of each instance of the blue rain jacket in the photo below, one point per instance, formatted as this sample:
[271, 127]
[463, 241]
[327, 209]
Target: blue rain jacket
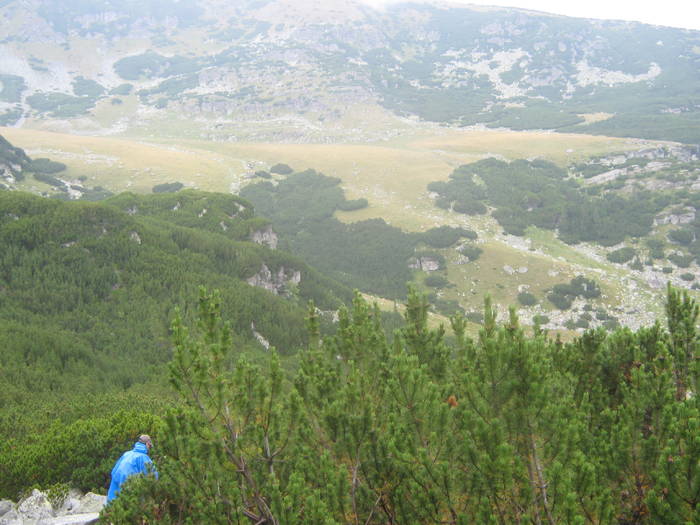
[134, 461]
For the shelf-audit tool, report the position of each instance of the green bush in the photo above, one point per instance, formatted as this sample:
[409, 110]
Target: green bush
[681, 260]
[583, 287]
[611, 324]
[60, 105]
[445, 236]
[10, 116]
[281, 169]
[475, 317]
[621, 255]
[469, 207]
[637, 265]
[687, 277]
[353, 205]
[656, 248]
[436, 281]
[447, 307]
[168, 187]
[540, 319]
[122, 89]
[46, 166]
[85, 87]
[48, 179]
[582, 323]
[470, 251]
[559, 300]
[601, 315]
[527, 299]
[12, 88]
[682, 236]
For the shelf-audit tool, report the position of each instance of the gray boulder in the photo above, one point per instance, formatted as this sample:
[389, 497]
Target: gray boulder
[70, 504]
[35, 507]
[90, 502]
[74, 519]
[11, 518]
[5, 507]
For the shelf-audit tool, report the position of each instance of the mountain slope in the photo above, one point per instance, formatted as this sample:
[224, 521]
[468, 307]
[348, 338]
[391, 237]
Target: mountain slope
[87, 290]
[315, 63]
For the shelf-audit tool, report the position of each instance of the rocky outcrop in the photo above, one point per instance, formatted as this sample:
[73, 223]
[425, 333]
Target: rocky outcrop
[424, 263]
[685, 217]
[12, 162]
[266, 237]
[259, 337]
[38, 509]
[278, 282]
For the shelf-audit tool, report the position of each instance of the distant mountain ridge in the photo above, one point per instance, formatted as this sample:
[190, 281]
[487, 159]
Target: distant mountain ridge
[261, 60]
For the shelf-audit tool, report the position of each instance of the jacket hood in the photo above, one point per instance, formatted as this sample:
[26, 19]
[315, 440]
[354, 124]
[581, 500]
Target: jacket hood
[140, 447]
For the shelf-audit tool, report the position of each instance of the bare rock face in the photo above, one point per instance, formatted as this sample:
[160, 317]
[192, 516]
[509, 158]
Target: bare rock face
[686, 217]
[266, 237]
[278, 282]
[425, 263]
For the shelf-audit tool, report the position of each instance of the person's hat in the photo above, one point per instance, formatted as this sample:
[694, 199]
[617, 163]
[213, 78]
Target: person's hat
[145, 439]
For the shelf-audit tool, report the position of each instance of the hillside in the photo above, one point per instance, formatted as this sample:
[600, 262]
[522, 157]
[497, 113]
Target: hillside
[391, 102]
[395, 179]
[338, 70]
[87, 290]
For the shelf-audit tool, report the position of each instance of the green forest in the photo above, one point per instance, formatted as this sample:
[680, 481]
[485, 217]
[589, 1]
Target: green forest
[88, 290]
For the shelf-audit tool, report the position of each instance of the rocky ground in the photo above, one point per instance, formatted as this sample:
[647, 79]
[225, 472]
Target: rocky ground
[40, 508]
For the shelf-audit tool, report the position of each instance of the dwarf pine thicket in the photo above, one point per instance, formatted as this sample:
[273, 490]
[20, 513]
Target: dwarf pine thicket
[503, 428]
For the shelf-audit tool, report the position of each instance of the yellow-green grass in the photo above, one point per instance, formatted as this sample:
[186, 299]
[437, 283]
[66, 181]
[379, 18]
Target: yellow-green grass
[561, 148]
[487, 276]
[590, 118]
[547, 242]
[107, 113]
[121, 165]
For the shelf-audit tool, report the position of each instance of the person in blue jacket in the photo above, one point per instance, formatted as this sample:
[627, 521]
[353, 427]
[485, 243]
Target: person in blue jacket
[135, 461]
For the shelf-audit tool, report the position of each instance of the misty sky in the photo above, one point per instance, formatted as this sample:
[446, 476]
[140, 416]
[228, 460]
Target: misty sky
[675, 13]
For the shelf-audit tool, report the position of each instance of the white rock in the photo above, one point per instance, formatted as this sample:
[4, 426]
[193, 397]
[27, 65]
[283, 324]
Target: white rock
[35, 507]
[91, 502]
[74, 519]
[6, 506]
[11, 518]
[266, 237]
